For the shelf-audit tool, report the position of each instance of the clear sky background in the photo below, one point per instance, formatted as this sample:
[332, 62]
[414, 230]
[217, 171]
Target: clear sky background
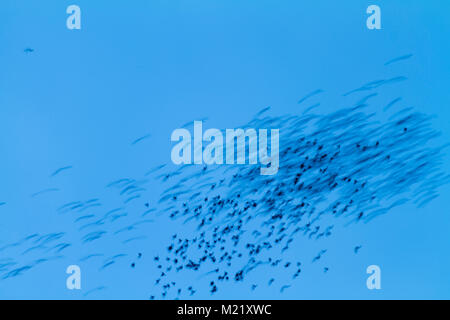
[147, 67]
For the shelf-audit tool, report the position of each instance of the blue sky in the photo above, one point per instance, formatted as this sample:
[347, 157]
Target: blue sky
[143, 67]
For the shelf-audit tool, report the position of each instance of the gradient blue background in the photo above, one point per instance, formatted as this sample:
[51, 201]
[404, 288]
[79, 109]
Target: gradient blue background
[141, 66]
